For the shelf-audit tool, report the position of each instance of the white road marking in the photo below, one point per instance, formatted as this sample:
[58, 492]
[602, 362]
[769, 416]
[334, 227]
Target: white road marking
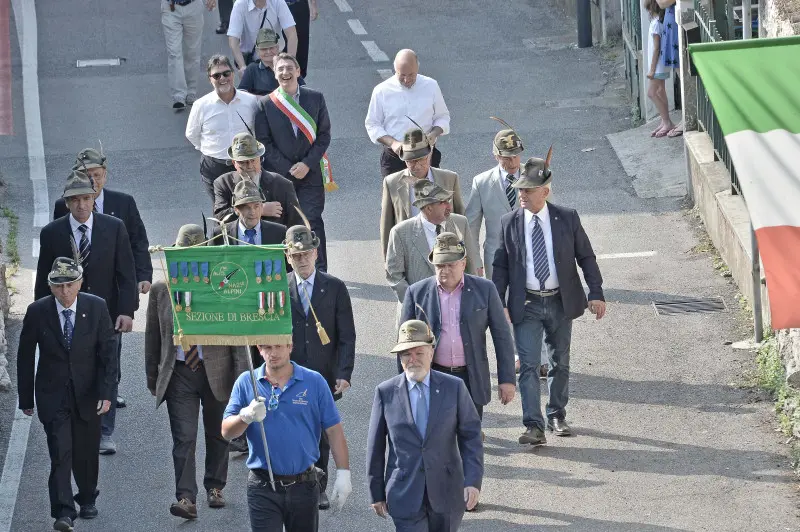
[35, 248]
[343, 6]
[356, 26]
[374, 52]
[385, 73]
[82, 63]
[25, 17]
[633, 255]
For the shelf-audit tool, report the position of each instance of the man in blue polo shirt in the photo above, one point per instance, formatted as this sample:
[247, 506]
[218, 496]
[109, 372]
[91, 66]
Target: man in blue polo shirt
[299, 407]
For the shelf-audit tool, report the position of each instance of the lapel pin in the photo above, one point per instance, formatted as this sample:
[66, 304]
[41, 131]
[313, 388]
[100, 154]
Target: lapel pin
[83, 315]
[437, 390]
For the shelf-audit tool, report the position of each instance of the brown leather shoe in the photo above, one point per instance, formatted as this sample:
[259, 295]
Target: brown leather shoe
[184, 508]
[215, 498]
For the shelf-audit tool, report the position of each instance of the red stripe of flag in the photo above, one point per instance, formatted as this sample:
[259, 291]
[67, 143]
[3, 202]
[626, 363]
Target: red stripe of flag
[780, 251]
[6, 114]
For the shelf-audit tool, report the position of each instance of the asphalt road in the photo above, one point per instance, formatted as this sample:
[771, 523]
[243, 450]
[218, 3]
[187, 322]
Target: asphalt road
[664, 442]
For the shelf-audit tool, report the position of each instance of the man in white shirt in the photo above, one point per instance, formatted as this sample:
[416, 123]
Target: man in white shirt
[407, 94]
[536, 266]
[247, 17]
[182, 21]
[216, 118]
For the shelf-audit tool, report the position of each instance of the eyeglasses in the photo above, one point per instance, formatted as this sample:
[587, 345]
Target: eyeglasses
[224, 74]
[274, 399]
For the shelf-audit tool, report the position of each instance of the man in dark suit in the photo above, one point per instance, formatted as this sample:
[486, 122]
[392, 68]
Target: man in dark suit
[280, 198]
[107, 261]
[119, 205]
[294, 126]
[204, 373]
[461, 308]
[74, 385]
[535, 265]
[435, 461]
[320, 300]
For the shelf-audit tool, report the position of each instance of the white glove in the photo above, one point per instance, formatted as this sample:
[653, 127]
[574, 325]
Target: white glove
[341, 488]
[256, 411]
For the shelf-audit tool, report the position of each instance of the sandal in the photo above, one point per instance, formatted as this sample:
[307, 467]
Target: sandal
[676, 131]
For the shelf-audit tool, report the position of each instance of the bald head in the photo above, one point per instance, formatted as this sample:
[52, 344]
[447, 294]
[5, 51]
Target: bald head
[406, 67]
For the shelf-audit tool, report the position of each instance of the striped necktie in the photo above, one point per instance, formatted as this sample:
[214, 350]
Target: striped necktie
[84, 247]
[250, 236]
[68, 329]
[511, 193]
[192, 358]
[539, 252]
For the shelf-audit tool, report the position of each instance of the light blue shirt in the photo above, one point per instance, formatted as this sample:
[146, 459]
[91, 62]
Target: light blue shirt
[412, 393]
[180, 354]
[256, 237]
[309, 286]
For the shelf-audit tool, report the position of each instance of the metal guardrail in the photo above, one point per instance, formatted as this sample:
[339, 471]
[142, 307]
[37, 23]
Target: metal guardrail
[706, 118]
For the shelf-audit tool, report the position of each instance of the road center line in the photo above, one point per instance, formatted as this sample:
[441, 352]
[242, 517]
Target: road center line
[385, 73]
[343, 6]
[633, 255]
[356, 26]
[25, 20]
[374, 52]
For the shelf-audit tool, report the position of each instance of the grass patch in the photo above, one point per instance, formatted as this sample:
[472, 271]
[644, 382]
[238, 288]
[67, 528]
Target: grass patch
[11, 248]
[771, 377]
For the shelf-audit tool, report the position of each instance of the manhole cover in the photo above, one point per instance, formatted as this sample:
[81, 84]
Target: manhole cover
[689, 306]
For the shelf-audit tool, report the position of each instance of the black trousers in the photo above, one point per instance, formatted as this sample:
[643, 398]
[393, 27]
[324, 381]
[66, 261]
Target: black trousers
[295, 507]
[210, 169]
[225, 8]
[302, 19]
[464, 376]
[186, 391]
[109, 420]
[324, 455]
[391, 163]
[312, 202]
[73, 444]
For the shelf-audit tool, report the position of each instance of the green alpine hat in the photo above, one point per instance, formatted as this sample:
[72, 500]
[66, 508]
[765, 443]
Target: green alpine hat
[427, 193]
[413, 333]
[535, 174]
[64, 270]
[78, 184]
[89, 158]
[507, 143]
[246, 191]
[267, 38]
[415, 145]
[190, 235]
[300, 239]
[446, 249]
[245, 147]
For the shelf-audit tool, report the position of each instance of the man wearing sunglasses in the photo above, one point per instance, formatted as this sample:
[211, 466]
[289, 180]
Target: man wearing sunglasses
[299, 408]
[217, 118]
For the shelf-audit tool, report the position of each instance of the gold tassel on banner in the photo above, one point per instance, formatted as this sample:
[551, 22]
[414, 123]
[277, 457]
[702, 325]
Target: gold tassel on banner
[323, 336]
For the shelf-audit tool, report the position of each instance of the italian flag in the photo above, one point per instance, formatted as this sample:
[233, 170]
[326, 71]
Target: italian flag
[754, 86]
[306, 125]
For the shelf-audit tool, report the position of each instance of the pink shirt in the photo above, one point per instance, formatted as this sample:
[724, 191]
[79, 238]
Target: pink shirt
[450, 349]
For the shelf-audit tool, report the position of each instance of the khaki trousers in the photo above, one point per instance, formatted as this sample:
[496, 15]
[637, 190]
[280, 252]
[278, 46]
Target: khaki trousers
[183, 32]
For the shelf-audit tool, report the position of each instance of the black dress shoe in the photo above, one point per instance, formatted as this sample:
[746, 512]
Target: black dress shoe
[533, 436]
[88, 511]
[121, 402]
[222, 28]
[559, 427]
[324, 503]
[63, 524]
[179, 106]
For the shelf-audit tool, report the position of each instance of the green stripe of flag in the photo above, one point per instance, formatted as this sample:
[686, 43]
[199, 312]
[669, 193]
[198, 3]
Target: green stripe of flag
[752, 84]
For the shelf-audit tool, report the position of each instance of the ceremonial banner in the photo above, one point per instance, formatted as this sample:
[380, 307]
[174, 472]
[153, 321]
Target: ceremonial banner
[754, 86]
[229, 295]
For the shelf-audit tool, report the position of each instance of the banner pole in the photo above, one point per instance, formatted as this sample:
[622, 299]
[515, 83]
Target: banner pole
[261, 424]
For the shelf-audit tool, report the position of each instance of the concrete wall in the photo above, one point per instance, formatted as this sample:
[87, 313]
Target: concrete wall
[613, 17]
[779, 18]
[5, 380]
[728, 225]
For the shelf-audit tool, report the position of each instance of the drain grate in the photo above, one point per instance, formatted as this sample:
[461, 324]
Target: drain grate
[689, 306]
